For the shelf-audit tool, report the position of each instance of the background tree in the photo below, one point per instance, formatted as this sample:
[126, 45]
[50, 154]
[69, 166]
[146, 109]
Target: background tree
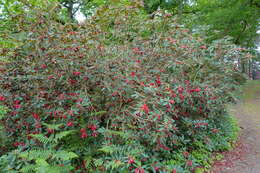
[236, 18]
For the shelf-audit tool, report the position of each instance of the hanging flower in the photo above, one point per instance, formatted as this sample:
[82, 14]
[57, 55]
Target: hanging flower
[189, 163]
[171, 101]
[70, 124]
[92, 127]
[36, 116]
[185, 154]
[197, 90]
[50, 131]
[2, 98]
[139, 170]
[131, 160]
[145, 108]
[83, 133]
[158, 81]
[76, 73]
[203, 47]
[138, 61]
[43, 66]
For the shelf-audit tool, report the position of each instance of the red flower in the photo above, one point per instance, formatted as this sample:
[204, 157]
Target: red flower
[142, 84]
[50, 130]
[164, 147]
[43, 66]
[215, 130]
[174, 171]
[138, 61]
[167, 15]
[2, 98]
[184, 46]
[17, 106]
[36, 116]
[92, 127]
[185, 154]
[145, 108]
[189, 163]
[70, 112]
[83, 133]
[38, 125]
[16, 144]
[133, 74]
[156, 168]
[171, 101]
[131, 160]
[70, 124]
[158, 81]
[172, 41]
[51, 77]
[181, 97]
[72, 33]
[76, 73]
[240, 49]
[180, 89]
[80, 100]
[203, 47]
[94, 134]
[114, 94]
[185, 30]
[17, 102]
[197, 90]
[139, 170]
[72, 82]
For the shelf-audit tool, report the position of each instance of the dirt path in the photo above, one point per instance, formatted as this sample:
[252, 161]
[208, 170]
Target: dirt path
[245, 157]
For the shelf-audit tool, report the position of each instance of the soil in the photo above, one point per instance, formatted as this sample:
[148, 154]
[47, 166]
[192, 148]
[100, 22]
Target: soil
[245, 157]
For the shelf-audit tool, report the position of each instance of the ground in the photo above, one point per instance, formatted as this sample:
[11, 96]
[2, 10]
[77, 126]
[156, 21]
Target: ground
[245, 157]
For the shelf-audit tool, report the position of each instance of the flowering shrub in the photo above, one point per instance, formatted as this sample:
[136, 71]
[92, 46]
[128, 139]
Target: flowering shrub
[134, 94]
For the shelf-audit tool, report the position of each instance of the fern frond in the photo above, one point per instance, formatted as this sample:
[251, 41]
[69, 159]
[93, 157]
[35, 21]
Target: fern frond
[36, 154]
[41, 162]
[89, 162]
[52, 126]
[43, 139]
[64, 155]
[53, 169]
[28, 169]
[108, 149]
[63, 134]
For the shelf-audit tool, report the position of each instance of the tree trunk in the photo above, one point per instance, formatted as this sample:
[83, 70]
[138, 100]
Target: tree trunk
[70, 10]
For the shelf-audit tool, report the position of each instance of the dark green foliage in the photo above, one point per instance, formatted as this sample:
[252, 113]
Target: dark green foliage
[122, 93]
[236, 18]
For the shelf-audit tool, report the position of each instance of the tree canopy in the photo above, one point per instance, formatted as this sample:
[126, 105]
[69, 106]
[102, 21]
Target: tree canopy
[236, 18]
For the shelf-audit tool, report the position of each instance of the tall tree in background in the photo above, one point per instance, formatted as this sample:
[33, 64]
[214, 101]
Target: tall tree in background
[175, 6]
[73, 6]
[236, 18]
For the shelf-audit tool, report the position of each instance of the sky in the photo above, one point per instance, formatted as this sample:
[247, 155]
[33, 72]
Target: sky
[258, 41]
[79, 16]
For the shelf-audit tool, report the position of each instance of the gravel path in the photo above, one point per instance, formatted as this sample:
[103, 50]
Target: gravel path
[245, 157]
